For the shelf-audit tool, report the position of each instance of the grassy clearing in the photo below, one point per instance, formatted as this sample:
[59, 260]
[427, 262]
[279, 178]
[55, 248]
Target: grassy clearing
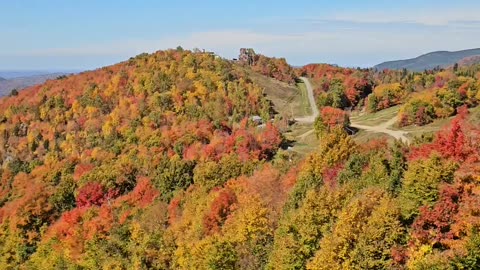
[306, 108]
[474, 117]
[363, 137]
[306, 145]
[299, 129]
[305, 139]
[415, 131]
[309, 145]
[286, 99]
[373, 119]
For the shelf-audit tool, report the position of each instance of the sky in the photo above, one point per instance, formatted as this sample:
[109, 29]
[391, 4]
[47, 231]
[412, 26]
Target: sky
[86, 34]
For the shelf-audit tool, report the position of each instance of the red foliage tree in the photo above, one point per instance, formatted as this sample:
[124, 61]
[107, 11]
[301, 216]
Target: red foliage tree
[269, 139]
[433, 225]
[330, 175]
[82, 169]
[143, 194]
[219, 211]
[91, 194]
[454, 142]
[331, 118]
[420, 118]
[174, 210]
[334, 117]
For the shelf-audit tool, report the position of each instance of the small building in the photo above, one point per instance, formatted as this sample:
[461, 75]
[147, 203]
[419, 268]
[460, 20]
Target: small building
[257, 119]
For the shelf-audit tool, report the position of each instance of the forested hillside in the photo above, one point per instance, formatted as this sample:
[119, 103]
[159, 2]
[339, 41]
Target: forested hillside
[84, 156]
[155, 163]
[423, 96]
[339, 87]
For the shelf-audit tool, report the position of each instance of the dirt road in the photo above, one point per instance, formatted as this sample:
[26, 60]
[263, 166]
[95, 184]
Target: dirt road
[384, 128]
[309, 119]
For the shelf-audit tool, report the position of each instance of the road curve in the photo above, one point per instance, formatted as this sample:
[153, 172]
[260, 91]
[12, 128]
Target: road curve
[384, 128]
[311, 98]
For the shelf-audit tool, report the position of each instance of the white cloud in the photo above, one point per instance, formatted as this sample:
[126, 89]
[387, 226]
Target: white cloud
[431, 17]
[347, 38]
[350, 44]
[212, 40]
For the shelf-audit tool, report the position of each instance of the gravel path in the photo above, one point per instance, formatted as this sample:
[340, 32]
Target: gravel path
[384, 128]
[309, 119]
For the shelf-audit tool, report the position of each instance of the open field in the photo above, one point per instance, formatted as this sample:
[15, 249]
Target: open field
[363, 136]
[373, 119]
[287, 99]
[304, 137]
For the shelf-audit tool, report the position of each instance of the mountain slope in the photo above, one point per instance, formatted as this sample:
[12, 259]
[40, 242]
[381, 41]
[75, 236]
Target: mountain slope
[153, 163]
[121, 138]
[429, 60]
[2, 79]
[469, 61]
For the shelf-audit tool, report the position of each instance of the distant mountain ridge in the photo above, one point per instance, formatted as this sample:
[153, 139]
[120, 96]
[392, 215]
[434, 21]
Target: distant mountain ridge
[429, 60]
[12, 74]
[19, 83]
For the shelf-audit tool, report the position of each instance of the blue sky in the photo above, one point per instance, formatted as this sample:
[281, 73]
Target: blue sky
[86, 34]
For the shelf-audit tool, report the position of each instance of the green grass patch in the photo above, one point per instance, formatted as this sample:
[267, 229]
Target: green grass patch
[363, 137]
[287, 99]
[306, 145]
[304, 137]
[374, 119]
[305, 103]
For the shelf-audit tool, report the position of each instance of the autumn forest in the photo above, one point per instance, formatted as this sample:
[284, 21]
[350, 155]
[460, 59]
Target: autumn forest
[180, 160]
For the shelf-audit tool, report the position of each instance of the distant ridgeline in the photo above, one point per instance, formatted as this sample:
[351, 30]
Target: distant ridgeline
[429, 61]
[19, 83]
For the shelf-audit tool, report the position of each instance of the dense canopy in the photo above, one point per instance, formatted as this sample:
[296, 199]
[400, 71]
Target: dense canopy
[155, 163]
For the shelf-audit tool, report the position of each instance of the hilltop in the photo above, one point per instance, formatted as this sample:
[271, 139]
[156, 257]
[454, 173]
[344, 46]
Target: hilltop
[137, 129]
[429, 61]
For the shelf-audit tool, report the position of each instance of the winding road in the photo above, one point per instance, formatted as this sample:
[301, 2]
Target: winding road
[382, 128]
[311, 98]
